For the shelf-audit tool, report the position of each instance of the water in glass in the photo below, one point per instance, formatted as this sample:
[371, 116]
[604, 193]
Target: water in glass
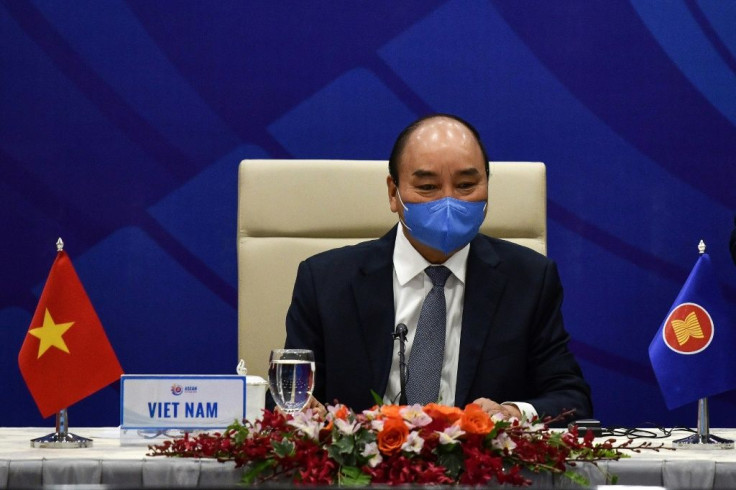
[291, 379]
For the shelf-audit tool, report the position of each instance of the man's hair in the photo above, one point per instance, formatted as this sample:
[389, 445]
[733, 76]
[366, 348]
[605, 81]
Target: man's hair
[398, 149]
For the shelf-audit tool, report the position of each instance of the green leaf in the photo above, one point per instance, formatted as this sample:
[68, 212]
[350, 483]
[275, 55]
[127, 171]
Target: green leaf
[577, 478]
[283, 449]
[377, 398]
[255, 470]
[452, 461]
[350, 476]
[345, 445]
[364, 437]
[341, 450]
[239, 431]
[335, 455]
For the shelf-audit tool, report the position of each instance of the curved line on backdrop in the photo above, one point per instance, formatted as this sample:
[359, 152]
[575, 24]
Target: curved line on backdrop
[68, 61]
[155, 89]
[109, 103]
[136, 128]
[711, 35]
[694, 119]
[47, 202]
[677, 31]
[641, 371]
[615, 245]
[187, 260]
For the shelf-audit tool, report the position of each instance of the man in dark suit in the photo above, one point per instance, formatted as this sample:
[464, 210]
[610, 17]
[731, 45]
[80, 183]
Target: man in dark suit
[504, 344]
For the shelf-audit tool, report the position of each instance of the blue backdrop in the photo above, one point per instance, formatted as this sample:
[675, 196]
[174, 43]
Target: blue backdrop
[122, 124]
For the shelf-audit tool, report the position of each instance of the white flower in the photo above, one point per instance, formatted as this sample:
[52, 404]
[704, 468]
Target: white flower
[414, 443]
[451, 434]
[371, 451]
[371, 414]
[377, 425]
[535, 426]
[503, 441]
[347, 428]
[497, 417]
[415, 416]
[305, 423]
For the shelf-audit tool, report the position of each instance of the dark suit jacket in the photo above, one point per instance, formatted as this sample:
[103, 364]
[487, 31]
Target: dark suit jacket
[513, 344]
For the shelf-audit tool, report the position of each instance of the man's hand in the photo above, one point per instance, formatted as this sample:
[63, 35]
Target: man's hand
[315, 405]
[491, 408]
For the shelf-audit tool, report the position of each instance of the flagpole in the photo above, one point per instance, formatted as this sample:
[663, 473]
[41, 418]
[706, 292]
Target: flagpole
[61, 438]
[703, 439]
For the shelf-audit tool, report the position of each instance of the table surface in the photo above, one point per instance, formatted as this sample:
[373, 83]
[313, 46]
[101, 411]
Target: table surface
[15, 444]
[107, 458]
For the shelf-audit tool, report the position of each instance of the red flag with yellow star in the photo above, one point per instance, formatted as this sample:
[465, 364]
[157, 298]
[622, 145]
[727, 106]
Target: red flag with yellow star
[66, 355]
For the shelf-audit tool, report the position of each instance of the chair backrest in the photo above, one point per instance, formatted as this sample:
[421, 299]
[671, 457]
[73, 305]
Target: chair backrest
[289, 210]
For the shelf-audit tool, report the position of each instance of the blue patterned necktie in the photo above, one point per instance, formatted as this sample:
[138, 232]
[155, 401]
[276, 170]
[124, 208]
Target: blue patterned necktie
[428, 349]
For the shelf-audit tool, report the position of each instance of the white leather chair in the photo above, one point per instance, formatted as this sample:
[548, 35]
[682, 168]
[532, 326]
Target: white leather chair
[289, 210]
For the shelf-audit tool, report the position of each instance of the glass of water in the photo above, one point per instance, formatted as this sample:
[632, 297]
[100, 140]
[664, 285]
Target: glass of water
[291, 378]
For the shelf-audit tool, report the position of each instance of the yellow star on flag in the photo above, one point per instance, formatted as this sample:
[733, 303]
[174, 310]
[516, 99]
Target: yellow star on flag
[51, 334]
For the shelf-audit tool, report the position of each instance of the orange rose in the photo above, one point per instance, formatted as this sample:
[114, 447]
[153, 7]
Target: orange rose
[391, 411]
[476, 421]
[392, 436]
[443, 414]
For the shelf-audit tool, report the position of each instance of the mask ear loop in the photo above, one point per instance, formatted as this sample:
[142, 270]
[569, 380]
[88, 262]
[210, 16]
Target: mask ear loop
[398, 194]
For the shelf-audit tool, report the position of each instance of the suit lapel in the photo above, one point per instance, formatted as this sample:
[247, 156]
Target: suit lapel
[483, 288]
[374, 298]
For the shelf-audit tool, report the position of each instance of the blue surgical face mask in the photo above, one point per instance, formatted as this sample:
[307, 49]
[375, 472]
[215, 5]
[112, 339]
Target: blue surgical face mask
[445, 224]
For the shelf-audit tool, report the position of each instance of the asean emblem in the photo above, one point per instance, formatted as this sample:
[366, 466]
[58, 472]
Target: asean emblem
[688, 329]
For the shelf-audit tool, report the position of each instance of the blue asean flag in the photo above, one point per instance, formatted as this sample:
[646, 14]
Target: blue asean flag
[692, 353]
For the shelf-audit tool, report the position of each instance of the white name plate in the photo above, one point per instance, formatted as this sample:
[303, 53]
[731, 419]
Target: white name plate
[164, 402]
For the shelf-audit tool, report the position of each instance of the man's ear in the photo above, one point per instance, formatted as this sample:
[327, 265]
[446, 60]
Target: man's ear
[393, 198]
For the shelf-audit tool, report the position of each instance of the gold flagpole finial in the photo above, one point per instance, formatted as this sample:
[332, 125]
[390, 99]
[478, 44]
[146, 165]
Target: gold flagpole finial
[59, 245]
[701, 247]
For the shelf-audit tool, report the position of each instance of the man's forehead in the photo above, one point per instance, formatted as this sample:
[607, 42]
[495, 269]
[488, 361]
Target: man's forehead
[437, 138]
[468, 171]
[438, 130]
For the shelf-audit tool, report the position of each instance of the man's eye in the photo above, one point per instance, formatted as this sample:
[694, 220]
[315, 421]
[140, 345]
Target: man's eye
[466, 185]
[427, 187]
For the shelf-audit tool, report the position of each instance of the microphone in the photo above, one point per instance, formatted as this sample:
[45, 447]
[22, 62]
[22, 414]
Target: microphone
[400, 333]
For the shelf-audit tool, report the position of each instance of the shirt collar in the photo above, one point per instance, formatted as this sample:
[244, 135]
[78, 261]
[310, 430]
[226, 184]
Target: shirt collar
[408, 262]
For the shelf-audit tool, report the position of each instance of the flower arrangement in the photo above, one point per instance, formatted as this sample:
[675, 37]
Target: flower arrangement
[391, 445]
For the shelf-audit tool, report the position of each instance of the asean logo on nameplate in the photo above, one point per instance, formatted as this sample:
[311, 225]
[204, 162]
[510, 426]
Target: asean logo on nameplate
[688, 329]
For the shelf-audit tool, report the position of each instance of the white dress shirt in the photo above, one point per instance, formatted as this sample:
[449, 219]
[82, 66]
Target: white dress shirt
[410, 286]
